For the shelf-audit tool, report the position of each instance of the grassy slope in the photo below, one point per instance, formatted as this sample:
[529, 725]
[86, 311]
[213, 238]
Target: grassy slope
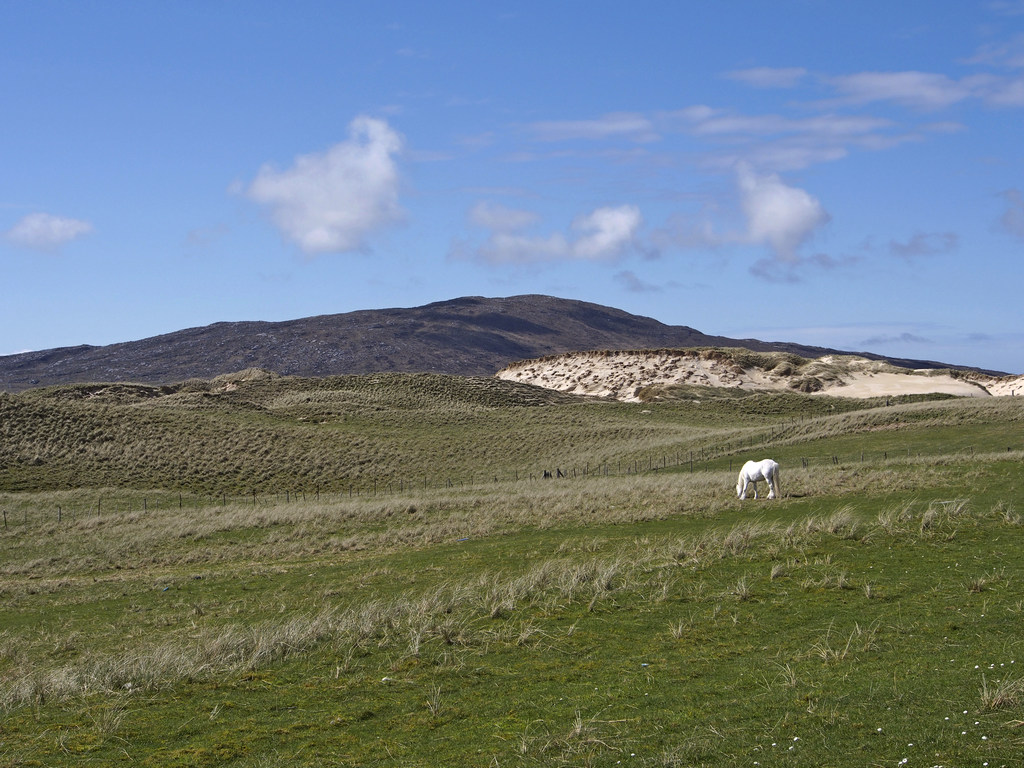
[646, 618]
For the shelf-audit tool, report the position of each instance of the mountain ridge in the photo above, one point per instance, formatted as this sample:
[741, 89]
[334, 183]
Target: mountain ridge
[467, 336]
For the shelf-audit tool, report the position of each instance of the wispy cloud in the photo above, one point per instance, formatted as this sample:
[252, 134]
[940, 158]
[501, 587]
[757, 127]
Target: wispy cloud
[899, 338]
[719, 122]
[925, 244]
[769, 77]
[792, 271]
[46, 232]
[919, 90]
[867, 111]
[604, 234]
[1001, 53]
[412, 53]
[500, 218]
[778, 143]
[629, 280]
[628, 125]
[203, 236]
[929, 91]
[1008, 7]
[1012, 220]
[330, 202]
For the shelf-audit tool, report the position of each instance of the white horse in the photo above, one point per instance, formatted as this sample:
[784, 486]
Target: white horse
[753, 471]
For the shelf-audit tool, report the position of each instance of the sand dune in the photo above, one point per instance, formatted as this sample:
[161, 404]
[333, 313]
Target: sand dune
[636, 376]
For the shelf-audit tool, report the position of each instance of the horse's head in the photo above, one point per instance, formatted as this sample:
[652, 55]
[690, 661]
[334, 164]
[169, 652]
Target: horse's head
[739, 486]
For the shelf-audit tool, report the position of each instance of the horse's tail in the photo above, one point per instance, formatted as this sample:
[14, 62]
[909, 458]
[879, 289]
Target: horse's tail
[775, 482]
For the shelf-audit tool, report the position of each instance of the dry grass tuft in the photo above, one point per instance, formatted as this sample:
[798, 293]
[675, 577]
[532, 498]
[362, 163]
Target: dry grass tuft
[1008, 692]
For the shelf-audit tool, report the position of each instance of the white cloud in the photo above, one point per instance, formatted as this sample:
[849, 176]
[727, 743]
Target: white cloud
[44, 231]
[605, 234]
[330, 202]
[778, 215]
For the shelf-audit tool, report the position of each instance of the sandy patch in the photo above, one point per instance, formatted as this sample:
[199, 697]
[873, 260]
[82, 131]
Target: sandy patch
[915, 383]
[635, 376]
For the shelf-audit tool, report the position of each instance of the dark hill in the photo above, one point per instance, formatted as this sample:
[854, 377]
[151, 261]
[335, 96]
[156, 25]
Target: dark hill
[471, 336]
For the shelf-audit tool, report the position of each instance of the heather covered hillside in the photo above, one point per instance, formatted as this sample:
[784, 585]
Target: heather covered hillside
[471, 336]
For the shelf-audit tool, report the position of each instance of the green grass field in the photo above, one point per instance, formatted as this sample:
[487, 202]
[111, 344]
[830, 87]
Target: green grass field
[370, 571]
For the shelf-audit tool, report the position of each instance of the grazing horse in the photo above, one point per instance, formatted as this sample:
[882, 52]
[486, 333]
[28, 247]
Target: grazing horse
[753, 471]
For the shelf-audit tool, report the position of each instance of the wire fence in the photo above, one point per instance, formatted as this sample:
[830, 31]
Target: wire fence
[719, 458]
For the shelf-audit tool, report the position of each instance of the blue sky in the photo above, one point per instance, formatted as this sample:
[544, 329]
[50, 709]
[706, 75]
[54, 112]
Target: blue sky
[843, 174]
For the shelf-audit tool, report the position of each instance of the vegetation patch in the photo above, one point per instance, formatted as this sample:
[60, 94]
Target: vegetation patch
[633, 612]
